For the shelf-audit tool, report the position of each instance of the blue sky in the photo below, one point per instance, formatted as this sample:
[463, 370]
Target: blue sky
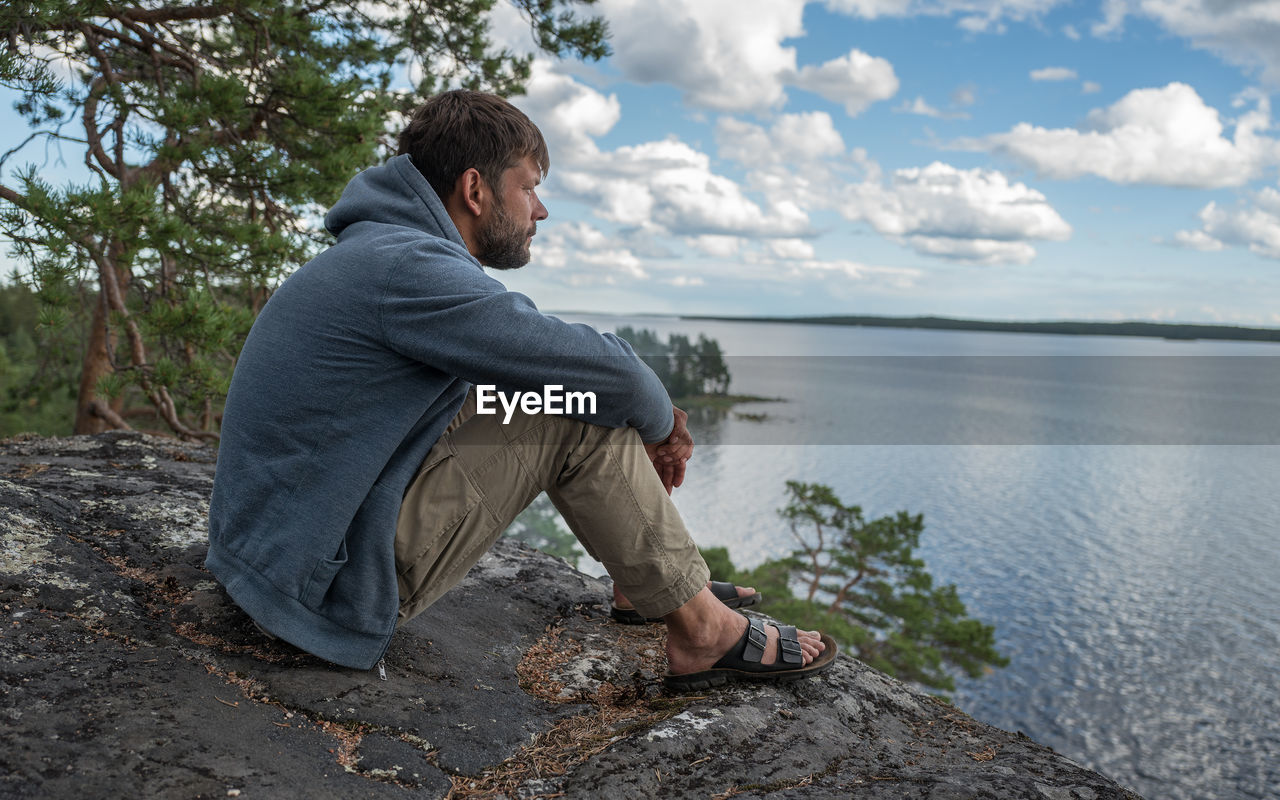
[999, 159]
[1003, 159]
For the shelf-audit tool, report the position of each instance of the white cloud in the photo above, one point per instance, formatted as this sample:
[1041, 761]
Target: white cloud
[978, 251]
[745, 143]
[805, 136]
[873, 8]
[728, 55]
[799, 161]
[975, 215]
[1112, 22]
[963, 96]
[1053, 74]
[893, 277]
[723, 54]
[793, 138]
[1089, 87]
[1242, 32]
[855, 80]
[667, 191]
[1162, 136]
[1255, 226]
[1198, 240]
[509, 28]
[978, 23]
[684, 280]
[61, 68]
[978, 15]
[569, 114]
[671, 184]
[716, 246]
[919, 106]
[668, 188]
[791, 249]
[581, 255]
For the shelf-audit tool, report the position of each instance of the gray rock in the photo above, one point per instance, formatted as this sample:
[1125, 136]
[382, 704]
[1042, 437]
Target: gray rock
[126, 672]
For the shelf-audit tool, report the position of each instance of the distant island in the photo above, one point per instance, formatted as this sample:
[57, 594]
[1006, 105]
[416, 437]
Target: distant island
[1160, 330]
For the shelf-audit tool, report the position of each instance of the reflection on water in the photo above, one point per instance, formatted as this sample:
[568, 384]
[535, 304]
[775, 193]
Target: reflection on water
[1007, 400]
[1133, 586]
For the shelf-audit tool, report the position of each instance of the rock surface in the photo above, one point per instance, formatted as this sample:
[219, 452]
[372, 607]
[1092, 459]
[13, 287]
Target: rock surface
[126, 672]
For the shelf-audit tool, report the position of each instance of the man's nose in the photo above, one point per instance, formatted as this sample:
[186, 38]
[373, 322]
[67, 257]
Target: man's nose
[539, 210]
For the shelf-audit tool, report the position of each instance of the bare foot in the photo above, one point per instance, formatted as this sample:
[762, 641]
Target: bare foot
[702, 630]
[620, 600]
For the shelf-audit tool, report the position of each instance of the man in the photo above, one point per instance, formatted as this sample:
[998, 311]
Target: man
[353, 488]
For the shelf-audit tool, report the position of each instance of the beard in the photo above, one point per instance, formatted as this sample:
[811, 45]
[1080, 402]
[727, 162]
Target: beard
[504, 242]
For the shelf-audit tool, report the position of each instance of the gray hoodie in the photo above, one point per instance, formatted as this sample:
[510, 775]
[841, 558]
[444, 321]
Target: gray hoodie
[348, 377]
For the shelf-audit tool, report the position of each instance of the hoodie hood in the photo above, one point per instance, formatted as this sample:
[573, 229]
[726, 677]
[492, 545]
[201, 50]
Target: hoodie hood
[395, 193]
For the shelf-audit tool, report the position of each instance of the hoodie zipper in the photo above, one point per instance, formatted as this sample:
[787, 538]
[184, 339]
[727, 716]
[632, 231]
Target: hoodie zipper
[382, 658]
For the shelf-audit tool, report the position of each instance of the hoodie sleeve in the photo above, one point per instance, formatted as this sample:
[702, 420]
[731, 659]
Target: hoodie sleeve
[440, 308]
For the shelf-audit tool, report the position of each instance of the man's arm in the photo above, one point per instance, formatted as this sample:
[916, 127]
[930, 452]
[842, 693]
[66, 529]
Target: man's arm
[441, 310]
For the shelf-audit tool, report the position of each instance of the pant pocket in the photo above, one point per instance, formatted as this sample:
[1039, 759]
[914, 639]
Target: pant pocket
[437, 501]
[444, 528]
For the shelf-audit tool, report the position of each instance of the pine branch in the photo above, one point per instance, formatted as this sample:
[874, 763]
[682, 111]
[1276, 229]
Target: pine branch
[167, 410]
[93, 134]
[151, 16]
[18, 199]
[844, 590]
[99, 407]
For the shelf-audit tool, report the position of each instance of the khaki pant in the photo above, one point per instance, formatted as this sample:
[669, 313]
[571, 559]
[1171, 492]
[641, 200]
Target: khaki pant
[482, 473]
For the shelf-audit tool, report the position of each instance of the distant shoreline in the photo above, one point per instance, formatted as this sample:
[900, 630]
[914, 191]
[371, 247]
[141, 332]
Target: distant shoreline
[1157, 330]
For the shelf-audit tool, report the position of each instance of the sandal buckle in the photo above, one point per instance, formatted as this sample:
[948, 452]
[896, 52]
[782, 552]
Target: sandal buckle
[757, 639]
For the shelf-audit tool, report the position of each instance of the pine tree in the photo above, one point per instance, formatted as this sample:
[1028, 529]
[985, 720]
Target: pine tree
[214, 135]
[861, 582]
[684, 366]
[651, 350]
[712, 369]
[686, 369]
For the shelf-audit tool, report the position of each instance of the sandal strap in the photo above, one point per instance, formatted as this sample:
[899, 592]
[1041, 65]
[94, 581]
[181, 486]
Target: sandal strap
[789, 645]
[756, 639]
[724, 591]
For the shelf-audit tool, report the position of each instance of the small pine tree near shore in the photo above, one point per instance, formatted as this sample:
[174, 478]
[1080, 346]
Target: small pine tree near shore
[860, 581]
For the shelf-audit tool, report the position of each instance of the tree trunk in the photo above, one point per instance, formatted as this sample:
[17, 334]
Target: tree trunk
[96, 364]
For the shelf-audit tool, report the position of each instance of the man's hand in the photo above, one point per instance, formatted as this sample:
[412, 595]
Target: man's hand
[669, 456]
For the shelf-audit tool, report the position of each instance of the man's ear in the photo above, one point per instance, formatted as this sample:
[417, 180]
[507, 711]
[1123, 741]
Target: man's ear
[471, 191]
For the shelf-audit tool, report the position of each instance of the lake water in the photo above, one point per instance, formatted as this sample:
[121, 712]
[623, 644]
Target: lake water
[1110, 504]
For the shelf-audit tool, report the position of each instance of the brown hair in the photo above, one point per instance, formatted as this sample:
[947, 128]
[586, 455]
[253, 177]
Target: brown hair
[455, 131]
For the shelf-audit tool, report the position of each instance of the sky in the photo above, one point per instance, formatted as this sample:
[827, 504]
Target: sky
[991, 159]
[994, 159]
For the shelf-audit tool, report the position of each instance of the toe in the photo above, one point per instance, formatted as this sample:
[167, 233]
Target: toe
[811, 644]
